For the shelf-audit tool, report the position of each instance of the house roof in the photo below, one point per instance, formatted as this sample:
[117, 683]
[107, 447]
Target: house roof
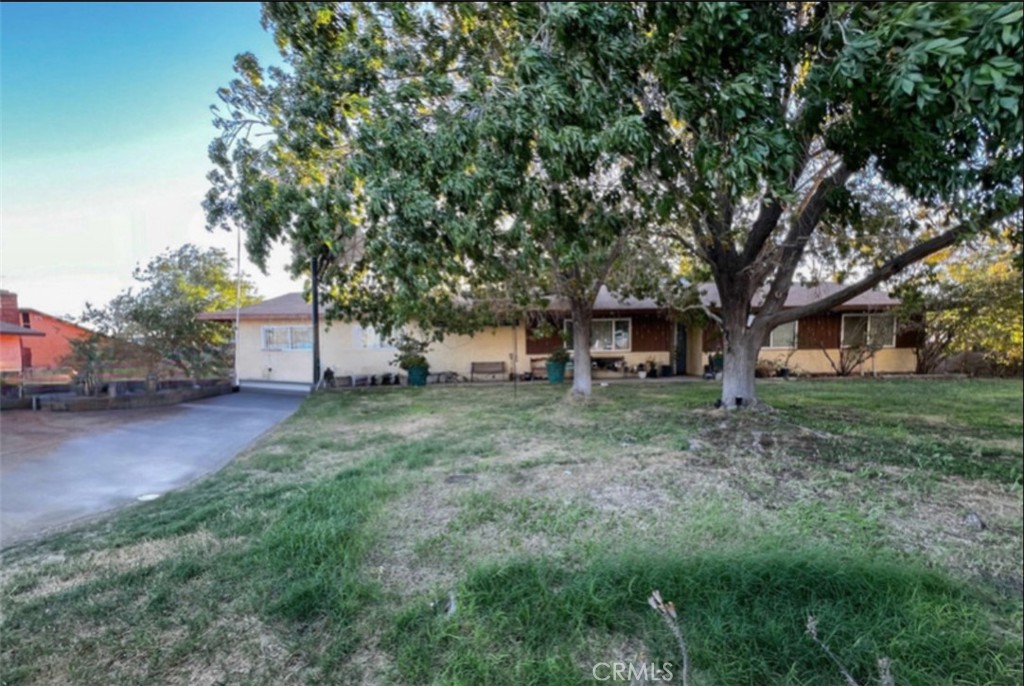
[805, 295]
[9, 329]
[288, 306]
[63, 321]
[293, 306]
[606, 300]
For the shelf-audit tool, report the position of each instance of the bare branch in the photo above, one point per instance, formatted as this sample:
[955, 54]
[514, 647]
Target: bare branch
[797, 237]
[891, 267]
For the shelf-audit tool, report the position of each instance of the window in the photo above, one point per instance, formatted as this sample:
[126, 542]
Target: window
[783, 336]
[869, 330]
[606, 335]
[287, 337]
[369, 339]
[25, 320]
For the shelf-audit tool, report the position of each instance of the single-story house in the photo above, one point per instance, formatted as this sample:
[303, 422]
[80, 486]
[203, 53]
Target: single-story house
[275, 340]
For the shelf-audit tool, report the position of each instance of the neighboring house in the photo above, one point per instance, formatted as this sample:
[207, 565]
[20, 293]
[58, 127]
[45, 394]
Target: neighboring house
[12, 335]
[49, 351]
[276, 338]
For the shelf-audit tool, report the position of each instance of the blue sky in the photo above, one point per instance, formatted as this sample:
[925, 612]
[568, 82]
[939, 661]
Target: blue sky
[105, 121]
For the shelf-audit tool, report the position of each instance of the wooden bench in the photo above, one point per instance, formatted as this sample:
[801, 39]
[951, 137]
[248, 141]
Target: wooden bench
[486, 368]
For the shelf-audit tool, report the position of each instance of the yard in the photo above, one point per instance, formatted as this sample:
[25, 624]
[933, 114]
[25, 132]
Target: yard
[470, 535]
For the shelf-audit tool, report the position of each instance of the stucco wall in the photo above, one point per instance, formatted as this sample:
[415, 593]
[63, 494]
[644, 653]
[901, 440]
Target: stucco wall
[256, 364]
[694, 351]
[457, 353]
[886, 361]
[344, 349]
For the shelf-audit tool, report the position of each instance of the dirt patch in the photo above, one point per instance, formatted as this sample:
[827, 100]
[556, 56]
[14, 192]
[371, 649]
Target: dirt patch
[409, 527]
[972, 527]
[370, 664]
[415, 427]
[249, 652]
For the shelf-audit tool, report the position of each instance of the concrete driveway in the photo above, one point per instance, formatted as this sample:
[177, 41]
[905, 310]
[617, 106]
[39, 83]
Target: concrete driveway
[56, 467]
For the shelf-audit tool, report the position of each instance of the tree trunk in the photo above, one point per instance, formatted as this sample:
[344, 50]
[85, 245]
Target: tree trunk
[742, 344]
[582, 314]
[740, 360]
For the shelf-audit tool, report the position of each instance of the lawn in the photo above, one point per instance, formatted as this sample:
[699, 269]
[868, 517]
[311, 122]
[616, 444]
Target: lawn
[477, 535]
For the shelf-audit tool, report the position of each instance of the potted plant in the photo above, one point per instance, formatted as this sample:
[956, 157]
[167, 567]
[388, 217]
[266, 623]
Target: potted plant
[652, 367]
[641, 371]
[555, 365]
[412, 358]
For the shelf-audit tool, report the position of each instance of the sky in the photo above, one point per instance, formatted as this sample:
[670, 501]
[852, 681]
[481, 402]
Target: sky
[104, 126]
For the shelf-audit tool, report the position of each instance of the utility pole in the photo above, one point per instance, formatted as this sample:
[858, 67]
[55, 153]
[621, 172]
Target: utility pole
[316, 322]
[238, 303]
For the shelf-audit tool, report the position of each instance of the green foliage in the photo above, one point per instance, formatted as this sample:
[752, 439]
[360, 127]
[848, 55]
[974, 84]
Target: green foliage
[560, 355]
[969, 301]
[411, 352]
[426, 153]
[116, 344]
[469, 163]
[89, 358]
[159, 321]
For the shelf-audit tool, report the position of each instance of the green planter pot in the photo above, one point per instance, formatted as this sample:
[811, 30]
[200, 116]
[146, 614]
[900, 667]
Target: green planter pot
[418, 376]
[556, 371]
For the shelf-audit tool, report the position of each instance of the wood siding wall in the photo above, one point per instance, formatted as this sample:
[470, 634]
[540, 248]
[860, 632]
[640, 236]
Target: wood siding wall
[712, 339]
[819, 331]
[650, 332]
[543, 346]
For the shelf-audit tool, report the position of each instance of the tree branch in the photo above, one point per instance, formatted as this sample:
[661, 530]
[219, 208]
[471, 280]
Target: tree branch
[766, 221]
[892, 266]
[796, 239]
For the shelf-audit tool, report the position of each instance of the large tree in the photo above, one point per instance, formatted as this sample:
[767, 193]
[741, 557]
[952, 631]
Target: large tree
[785, 111]
[463, 143]
[466, 162]
[158, 320]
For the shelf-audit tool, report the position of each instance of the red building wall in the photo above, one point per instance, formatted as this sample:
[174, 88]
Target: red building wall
[10, 346]
[46, 352]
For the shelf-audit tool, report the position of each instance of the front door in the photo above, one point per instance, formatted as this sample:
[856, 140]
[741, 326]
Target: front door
[680, 349]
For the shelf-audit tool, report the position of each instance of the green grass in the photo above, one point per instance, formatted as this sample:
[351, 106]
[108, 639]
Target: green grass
[326, 554]
[526, 622]
[946, 427]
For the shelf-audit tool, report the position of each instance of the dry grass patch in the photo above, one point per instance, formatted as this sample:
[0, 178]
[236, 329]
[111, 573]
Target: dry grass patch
[28, 580]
